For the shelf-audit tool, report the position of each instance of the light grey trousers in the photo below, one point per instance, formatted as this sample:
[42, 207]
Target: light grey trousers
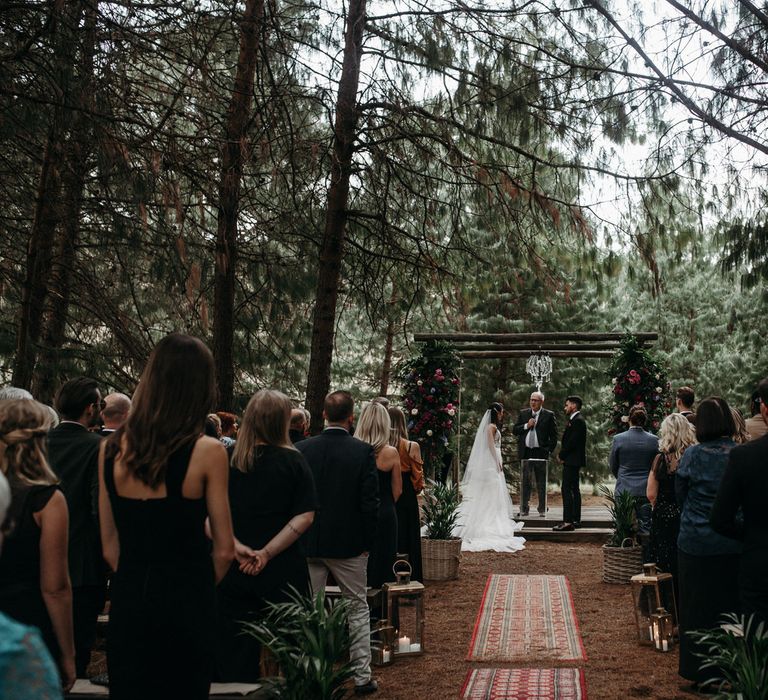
[351, 575]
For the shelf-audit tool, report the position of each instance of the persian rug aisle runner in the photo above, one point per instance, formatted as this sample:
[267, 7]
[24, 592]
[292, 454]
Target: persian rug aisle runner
[524, 684]
[526, 619]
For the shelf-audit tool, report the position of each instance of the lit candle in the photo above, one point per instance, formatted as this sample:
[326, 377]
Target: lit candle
[415, 646]
[386, 656]
[664, 645]
[404, 644]
[650, 632]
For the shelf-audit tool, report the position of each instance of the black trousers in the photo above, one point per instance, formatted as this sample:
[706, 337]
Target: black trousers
[571, 494]
[87, 604]
[708, 588]
[537, 470]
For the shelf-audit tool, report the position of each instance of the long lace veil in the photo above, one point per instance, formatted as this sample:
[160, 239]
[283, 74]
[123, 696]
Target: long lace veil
[480, 457]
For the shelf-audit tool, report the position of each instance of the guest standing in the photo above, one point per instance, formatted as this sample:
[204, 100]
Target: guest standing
[272, 497]
[675, 436]
[34, 577]
[684, 400]
[159, 478]
[374, 428]
[745, 485]
[27, 671]
[573, 455]
[115, 412]
[229, 428]
[740, 433]
[407, 506]
[298, 427]
[344, 530]
[708, 562]
[632, 453]
[756, 425]
[73, 451]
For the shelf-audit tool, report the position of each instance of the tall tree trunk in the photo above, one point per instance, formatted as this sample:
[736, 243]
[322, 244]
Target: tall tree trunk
[232, 158]
[47, 208]
[386, 367]
[73, 183]
[332, 245]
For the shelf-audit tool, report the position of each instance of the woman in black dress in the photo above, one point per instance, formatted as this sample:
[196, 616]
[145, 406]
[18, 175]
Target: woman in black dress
[272, 496]
[158, 479]
[407, 506]
[675, 436]
[34, 571]
[374, 428]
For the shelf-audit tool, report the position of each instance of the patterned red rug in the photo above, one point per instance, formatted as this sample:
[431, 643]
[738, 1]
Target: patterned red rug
[526, 619]
[525, 684]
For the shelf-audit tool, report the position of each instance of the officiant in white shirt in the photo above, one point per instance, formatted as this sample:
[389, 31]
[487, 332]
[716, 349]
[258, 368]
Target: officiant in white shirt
[536, 431]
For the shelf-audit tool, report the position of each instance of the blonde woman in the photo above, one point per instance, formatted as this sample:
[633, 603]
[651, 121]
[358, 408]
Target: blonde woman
[34, 576]
[742, 434]
[273, 501]
[412, 472]
[676, 435]
[373, 428]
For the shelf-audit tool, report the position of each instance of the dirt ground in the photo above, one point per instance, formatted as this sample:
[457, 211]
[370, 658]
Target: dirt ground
[617, 667]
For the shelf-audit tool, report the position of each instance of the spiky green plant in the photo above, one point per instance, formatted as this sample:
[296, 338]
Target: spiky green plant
[310, 641]
[622, 510]
[440, 510]
[737, 653]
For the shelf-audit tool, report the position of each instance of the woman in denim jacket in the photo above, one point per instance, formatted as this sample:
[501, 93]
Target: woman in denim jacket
[707, 561]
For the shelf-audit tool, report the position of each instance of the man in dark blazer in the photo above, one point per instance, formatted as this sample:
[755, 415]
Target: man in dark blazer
[73, 451]
[573, 455]
[344, 528]
[536, 430]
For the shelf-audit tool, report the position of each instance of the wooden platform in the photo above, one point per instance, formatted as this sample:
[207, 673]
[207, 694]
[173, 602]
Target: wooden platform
[595, 525]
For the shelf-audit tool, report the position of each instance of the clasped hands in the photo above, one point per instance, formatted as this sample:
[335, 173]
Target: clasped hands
[251, 561]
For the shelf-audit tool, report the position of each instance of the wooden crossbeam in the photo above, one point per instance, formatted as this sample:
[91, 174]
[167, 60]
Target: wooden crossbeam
[499, 354]
[533, 347]
[529, 337]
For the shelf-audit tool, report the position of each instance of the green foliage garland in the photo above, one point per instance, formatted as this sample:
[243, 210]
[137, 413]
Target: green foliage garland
[638, 379]
[431, 397]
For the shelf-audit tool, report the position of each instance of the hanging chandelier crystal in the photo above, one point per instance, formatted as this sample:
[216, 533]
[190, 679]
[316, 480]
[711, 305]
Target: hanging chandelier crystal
[539, 367]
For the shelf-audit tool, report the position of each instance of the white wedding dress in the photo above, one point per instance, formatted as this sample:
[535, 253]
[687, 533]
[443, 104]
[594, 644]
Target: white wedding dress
[485, 515]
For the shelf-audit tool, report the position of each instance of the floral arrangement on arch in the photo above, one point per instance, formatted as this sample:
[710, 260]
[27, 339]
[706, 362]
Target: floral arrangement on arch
[638, 379]
[431, 397]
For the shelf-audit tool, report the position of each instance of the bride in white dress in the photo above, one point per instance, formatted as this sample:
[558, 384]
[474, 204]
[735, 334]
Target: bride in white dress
[485, 514]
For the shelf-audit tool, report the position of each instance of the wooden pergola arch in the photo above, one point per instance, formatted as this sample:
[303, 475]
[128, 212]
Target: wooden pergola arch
[496, 346]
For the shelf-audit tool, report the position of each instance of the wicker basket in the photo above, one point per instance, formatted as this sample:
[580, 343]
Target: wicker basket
[440, 559]
[621, 563]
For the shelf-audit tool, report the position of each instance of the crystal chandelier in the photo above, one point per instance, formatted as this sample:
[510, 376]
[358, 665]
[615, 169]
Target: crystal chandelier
[539, 367]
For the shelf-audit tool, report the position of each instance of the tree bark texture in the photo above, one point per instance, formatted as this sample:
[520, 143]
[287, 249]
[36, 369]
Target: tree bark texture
[233, 157]
[47, 207]
[77, 151]
[332, 244]
[386, 368]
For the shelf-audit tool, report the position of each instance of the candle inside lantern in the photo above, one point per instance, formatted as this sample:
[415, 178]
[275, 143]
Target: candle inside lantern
[386, 656]
[650, 632]
[664, 645]
[415, 646]
[404, 644]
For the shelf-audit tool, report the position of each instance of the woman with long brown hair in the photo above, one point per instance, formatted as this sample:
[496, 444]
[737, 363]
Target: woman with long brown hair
[407, 506]
[158, 479]
[272, 494]
[34, 573]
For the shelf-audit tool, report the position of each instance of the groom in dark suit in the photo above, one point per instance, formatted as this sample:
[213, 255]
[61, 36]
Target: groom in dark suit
[536, 430]
[573, 455]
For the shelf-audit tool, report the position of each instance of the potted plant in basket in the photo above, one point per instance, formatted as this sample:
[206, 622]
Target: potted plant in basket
[440, 550]
[622, 554]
